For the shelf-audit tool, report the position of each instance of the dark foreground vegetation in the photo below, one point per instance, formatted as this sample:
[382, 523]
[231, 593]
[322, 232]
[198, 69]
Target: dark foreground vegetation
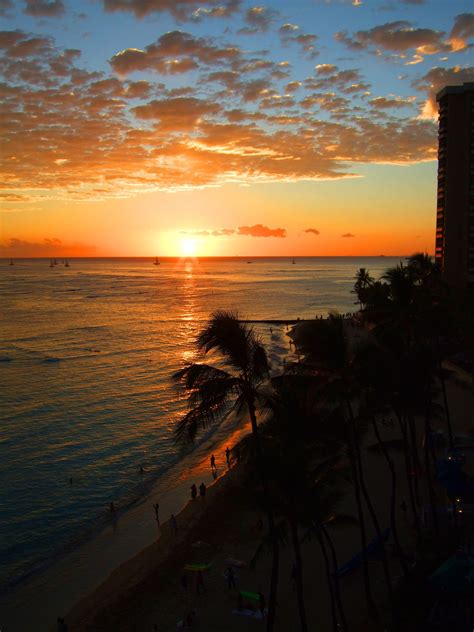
[375, 382]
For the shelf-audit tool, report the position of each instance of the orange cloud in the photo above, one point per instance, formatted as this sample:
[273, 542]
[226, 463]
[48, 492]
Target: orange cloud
[261, 231]
[49, 247]
[347, 235]
[314, 231]
[462, 31]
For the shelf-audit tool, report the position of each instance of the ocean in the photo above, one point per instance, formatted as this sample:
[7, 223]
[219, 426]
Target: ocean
[86, 399]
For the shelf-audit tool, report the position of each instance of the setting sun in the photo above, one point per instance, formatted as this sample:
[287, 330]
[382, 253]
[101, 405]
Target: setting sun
[188, 247]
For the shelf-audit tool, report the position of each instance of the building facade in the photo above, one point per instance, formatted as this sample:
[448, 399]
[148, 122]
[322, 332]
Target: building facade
[455, 204]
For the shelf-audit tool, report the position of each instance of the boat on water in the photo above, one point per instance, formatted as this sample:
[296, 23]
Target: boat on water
[11, 262]
[293, 261]
[156, 262]
[51, 264]
[66, 265]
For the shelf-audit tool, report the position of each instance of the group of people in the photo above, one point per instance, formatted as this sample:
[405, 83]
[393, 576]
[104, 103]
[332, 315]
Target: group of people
[202, 491]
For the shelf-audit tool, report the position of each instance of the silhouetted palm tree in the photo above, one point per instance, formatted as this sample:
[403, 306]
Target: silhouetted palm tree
[363, 281]
[214, 391]
[328, 349]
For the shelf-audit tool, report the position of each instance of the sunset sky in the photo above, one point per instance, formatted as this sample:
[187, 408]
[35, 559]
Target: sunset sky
[224, 127]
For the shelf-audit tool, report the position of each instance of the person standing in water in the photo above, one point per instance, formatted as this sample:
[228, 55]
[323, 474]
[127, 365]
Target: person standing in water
[213, 462]
[156, 507]
[202, 490]
[193, 491]
[227, 456]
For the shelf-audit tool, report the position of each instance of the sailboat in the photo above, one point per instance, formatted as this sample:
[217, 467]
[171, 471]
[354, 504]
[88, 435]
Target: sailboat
[156, 262]
[66, 265]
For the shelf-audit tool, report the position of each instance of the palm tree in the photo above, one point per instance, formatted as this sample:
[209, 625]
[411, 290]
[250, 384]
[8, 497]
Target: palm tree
[363, 281]
[213, 391]
[329, 351]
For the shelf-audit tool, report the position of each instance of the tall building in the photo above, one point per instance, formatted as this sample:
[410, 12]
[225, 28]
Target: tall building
[455, 208]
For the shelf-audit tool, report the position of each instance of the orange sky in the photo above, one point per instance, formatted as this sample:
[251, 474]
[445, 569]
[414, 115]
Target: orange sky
[143, 129]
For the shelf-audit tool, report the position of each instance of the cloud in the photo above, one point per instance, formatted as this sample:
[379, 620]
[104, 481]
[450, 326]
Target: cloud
[436, 79]
[174, 52]
[347, 235]
[325, 69]
[44, 8]
[261, 231]
[259, 19]
[223, 232]
[49, 247]
[289, 34]
[177, 114]
[195, 233]
[314, 231]
[384, 103]
[398, 37]
[182, 10]
[231, 123]
[462, 31]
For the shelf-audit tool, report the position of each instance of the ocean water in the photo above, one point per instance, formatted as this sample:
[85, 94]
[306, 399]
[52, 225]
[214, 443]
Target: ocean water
[86, 355]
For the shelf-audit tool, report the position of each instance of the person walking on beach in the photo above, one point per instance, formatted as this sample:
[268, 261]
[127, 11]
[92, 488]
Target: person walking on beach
[213, 462]
[156, 507]
[200, 587]
[202, 490]
[227, 456]
[194, 491]
[174, 524]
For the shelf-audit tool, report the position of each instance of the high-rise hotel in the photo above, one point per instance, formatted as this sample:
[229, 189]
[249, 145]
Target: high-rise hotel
[455, 208]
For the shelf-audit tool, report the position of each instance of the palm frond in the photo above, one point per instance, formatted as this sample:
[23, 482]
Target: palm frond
[200, 418]
[229, 336]
[194, 375]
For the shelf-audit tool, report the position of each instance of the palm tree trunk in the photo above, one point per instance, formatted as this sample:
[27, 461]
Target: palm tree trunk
[335, 626]
[372, 610]
[429, 480]
[270, 518]
[336, 583]
[373, 514]
[415, 458]
[411, 493]
[393, 499]
[445, 397]
[298, 574]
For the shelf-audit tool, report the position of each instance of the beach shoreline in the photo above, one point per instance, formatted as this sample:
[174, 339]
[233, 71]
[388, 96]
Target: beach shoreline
[160, 553]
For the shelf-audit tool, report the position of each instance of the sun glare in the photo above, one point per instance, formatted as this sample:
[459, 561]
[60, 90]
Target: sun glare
[188, 247]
